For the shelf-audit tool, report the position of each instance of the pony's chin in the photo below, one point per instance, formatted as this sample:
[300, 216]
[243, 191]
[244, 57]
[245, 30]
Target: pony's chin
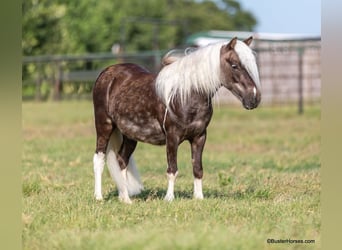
[250, 105]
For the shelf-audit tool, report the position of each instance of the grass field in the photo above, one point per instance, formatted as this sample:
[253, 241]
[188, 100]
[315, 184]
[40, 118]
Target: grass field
[261, 181]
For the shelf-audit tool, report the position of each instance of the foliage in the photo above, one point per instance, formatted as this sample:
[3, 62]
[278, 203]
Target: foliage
[88, 26]
[41, 25]
[261, 181]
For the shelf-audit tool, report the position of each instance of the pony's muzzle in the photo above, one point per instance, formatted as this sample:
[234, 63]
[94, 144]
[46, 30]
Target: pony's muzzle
[251, 100]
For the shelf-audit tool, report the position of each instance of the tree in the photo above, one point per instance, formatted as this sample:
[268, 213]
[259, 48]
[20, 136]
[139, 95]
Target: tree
[41, 26]
[89, 26]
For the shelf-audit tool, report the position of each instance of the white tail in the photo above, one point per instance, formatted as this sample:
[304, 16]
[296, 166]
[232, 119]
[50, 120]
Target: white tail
[127, 180]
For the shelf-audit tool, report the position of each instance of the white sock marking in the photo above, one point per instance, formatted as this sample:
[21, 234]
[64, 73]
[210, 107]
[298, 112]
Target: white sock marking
[99, 162]
[123, 190]
[198, 194]
[170, 188]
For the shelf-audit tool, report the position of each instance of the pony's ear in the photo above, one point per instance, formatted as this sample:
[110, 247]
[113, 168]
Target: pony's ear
[231, 44]
[168, 60]
[248, 41]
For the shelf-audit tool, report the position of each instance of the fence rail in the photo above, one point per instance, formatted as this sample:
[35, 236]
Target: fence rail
[289, 72]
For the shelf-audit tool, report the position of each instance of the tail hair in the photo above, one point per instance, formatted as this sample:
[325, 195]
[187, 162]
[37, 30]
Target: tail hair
[132, 179]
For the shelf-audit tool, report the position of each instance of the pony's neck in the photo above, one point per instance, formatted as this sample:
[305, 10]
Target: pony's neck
[198, 72]
[198, 108]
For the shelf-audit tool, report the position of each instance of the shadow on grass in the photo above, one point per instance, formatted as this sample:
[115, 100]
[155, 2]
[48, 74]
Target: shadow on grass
[159, 194]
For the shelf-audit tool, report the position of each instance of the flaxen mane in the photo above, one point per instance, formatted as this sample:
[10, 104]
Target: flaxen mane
[200, 71]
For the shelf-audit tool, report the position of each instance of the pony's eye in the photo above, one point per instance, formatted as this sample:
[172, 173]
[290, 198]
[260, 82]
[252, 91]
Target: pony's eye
[234, 66]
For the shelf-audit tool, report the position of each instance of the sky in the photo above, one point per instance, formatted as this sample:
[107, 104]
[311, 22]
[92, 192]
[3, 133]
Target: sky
[286, 16]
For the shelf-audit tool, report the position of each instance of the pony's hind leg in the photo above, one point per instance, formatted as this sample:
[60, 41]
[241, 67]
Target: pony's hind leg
[99, 162]
[129, 171]
[103, 132]
[114, 165]
[197, 145]
[122, 167]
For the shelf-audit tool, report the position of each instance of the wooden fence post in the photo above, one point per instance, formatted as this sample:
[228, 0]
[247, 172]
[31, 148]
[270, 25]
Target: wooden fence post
[57, 88]
[300, 81]
[38, 96]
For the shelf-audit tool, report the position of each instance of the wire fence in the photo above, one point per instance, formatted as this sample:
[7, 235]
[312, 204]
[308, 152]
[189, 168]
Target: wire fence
[289, 73]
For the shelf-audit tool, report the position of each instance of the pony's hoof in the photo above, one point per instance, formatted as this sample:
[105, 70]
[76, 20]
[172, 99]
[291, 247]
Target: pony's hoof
[198, 197]
[98, 198]
[125, 200]
[169, 197]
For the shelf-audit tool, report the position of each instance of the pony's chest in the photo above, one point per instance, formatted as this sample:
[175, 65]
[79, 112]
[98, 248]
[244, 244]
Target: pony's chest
[190, 121]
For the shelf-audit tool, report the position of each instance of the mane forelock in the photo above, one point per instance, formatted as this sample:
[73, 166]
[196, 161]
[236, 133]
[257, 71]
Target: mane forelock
[247, 59]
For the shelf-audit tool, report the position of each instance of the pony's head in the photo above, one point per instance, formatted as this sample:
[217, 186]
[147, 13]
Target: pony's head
[239, 72]
[205, 70]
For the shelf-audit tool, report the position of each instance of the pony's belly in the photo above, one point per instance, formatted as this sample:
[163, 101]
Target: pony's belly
[142, 130]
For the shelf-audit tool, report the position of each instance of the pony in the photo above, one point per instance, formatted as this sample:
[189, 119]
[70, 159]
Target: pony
[134, 105]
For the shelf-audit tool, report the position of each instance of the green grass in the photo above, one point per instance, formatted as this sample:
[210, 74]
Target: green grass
[261, 181]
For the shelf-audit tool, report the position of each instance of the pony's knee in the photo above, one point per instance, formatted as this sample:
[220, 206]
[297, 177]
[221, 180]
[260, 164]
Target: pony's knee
[198, 173]
[171, 170]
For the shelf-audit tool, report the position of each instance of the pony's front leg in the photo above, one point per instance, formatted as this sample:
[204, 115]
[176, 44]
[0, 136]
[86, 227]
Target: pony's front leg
[172, 170]
[197, 145]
